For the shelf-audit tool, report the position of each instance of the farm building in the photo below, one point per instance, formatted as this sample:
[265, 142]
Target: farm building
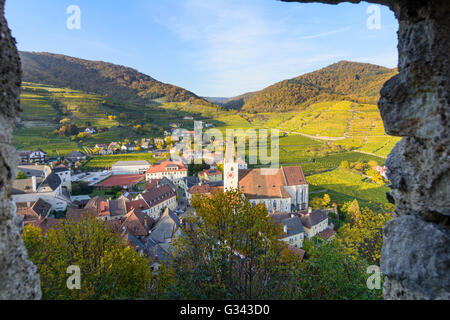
[130, 167]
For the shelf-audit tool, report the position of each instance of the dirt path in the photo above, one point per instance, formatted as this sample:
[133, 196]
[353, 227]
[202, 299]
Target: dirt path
[316, 137]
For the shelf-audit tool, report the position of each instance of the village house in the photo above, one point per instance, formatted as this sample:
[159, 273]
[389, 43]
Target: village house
[75, 156]
[284, 189]
[158, 199]
[128, 147]
[80, 201]
[90, 130]
[107, 209]
[146, 144]
[202, 189]
[35, 170]
[293, 231]
[36, 156]
[113, 146]
[210, 175]
[164, 232]
[130, 167]
[101, 146]
[64, 174]
[39, 209]
[314, 222]
[48, 188]
[171, 170]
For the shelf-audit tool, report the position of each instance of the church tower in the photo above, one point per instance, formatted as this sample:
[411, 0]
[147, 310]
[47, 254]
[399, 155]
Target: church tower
[231, 174]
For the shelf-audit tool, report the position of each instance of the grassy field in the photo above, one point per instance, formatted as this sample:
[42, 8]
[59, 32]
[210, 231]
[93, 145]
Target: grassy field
[349, 183]
[106, 161]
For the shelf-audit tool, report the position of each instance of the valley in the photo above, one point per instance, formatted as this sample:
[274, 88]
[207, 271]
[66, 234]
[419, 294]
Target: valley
[318, 135]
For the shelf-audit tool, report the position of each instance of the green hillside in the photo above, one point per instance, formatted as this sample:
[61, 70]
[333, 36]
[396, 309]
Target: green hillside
[102, 78]
[340, 81]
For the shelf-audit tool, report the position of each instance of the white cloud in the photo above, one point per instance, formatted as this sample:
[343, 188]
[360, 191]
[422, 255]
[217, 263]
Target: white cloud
[325, 34]
[240, 49]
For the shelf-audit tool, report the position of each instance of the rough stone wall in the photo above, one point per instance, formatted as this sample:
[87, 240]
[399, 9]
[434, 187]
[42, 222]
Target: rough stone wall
[18, 276]
[415, 105]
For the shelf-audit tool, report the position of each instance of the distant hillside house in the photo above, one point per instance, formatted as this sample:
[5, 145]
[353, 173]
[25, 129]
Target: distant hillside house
[101, 146]
[130, 167]
[128, 147]
[173, 171]
[283, 189]
[146, 145]
[75, 156]
[90, 130]
[36, 156]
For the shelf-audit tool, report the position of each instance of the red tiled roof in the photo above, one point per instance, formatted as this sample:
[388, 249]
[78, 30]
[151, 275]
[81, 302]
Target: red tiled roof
[297, 251]
[204, 189]
[44, 224]
[151, 184]
[158, 195]
[262, 183]
[162, 167]
[138, 204]
[75, 214]
[327, 233]
[294, 176]
[137, 223]
[121, 180]
[313, 218]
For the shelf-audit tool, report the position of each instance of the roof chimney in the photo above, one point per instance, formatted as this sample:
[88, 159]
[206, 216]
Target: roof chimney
[285, 229]
[33, 183]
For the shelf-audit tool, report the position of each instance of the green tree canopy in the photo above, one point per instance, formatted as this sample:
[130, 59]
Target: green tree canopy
[109, 270]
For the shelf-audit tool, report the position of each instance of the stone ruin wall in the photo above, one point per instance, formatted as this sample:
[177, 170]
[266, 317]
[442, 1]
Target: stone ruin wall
[414, 105]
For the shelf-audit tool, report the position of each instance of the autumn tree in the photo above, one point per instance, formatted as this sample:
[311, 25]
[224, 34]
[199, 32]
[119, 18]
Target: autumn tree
[109, 270]
[230, 250]
[363, 234]
[330, 273]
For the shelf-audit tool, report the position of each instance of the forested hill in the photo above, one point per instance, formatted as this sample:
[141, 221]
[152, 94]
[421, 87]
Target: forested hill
[343, 80]
[102, 78]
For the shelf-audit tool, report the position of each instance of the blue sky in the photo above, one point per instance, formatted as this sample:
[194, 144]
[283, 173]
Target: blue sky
[216, 48]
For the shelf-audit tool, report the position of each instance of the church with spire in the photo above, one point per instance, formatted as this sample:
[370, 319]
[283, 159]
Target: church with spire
[279, 189]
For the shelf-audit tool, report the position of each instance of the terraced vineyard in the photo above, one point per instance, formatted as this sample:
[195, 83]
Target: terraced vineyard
[349, 183]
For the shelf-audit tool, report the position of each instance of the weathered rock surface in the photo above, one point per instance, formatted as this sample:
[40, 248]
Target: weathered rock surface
[417, 255]
[415, 105]
[18, 276]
